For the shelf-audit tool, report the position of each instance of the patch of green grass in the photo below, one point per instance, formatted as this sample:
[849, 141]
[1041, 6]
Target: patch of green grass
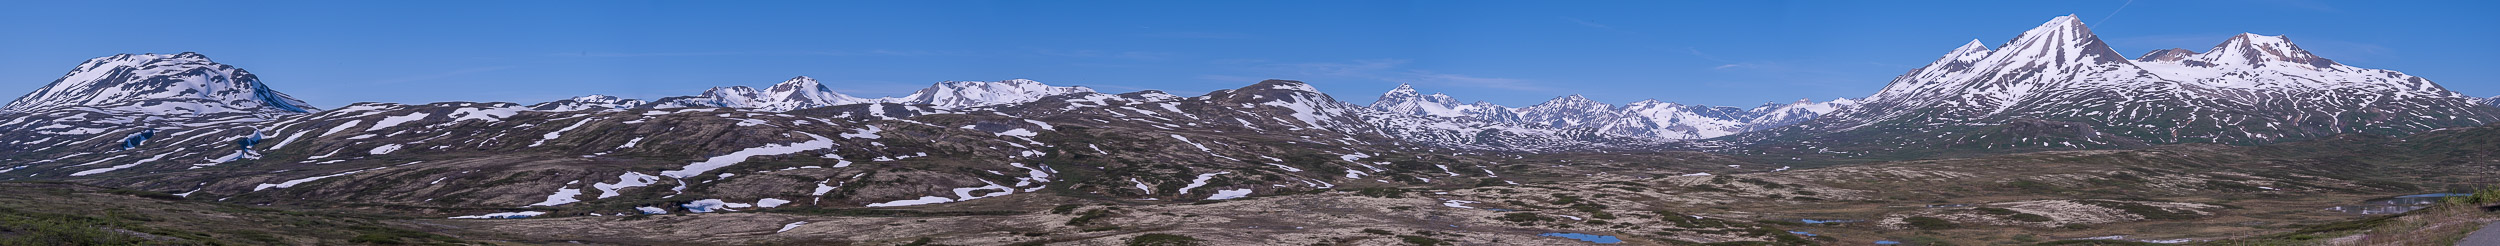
[886, 212]
[147, 194]
[1381, 192]
[2015, 215]
[1159, 239]
[1422, 241]
[1088, 217]
[1564, 199]
[2025, 217]
[1929, 223]
[1523, 217]
[27, 228]
[919, 242]
[2096, 242]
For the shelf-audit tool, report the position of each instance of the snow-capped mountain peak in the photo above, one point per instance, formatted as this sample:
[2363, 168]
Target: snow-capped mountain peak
[1403, 91]
[803, 92]
[958, 94]
[1969, 52]
[734, 96]
[2251, 61]
[793, 94]
[1568, 111]
[2062, 40]
[593, 101]
[185, 84]
[2261, 50]
[2169, 55]
[1406, 101]
[1573, 102]
[2248, 89]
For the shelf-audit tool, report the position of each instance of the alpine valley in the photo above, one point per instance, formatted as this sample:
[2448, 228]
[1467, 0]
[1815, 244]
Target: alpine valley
[2049, 138]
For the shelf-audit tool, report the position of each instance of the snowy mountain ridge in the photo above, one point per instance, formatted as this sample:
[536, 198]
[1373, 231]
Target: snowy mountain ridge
[169, 85]
[1647, 118]
[797, 93]
[804, 92]
[2059, 86]
[957, 94]
[588, 102]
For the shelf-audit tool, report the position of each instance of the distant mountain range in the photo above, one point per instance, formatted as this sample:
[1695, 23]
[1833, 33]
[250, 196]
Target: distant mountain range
[183, 124]
[1647, 118]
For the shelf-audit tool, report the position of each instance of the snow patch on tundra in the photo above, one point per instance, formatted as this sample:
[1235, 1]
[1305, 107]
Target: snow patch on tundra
[388, 122]
[385, 149]
[504, 215]
[792, 225]
[560, 132]
[1201, 181]
[627, 180]
[562, 196]
[1229, 194]
[718, 162]
[292, 183]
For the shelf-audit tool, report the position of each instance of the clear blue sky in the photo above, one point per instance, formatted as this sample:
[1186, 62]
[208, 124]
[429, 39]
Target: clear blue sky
[1739, 53]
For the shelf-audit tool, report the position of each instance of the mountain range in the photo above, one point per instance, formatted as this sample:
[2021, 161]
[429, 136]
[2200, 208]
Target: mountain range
[2058, 86]
[1646, 118]
[184, 125]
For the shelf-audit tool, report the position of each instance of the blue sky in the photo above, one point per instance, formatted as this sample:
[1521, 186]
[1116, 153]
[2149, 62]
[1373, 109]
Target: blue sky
[1739, 53]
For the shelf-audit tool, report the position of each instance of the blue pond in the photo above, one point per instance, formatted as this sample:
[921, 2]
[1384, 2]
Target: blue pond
[1809, 234]
[1599, 239]
[1887, 242]
[134, 140]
